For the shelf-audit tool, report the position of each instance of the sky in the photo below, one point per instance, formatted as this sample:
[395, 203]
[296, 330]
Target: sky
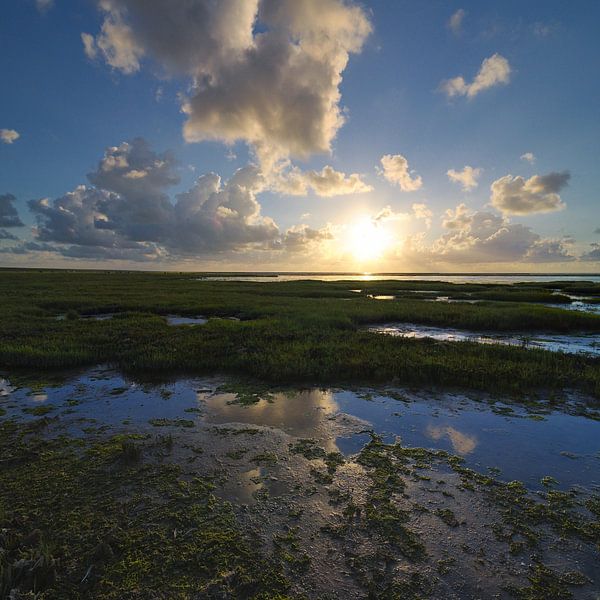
[300, 135]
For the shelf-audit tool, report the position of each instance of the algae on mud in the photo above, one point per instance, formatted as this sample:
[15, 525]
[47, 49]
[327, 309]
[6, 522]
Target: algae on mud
[123, 509]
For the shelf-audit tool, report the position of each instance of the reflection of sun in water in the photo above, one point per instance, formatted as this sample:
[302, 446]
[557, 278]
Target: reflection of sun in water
[367, 239]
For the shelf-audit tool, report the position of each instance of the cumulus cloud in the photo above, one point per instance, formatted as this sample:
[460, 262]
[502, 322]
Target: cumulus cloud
[421, 211]
[593, 255]
[494, 70]
[387, 213]
[264, 71]
[395, 170]
[138, 177]
[528, 157]
[538, 194]
[127, 213]
[7, 235]
[482, 237]
[9, 217]
[455, 22]
[115, 42]
[9, 136]
[467, 178]
[326, 183]
[549, 251]
[303, 238]
[89, 46]
[458, 218]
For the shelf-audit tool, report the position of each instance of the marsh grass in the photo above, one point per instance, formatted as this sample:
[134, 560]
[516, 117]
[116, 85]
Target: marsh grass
[289, 332]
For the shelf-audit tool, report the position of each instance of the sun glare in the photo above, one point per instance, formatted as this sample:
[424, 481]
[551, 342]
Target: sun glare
[367, 240]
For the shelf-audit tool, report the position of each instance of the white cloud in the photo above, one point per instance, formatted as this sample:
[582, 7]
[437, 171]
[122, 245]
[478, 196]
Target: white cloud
[459, 218]
[8, 136]
[538, 194]
[44, 5]
[326, 183]
[528, 157]
[421, 211]
[303, 238]
[89, 46]
[266, 72]
[485, 237]
[115, 43]
[494, 70]
[396, 171]
[127, 214]
[467, 178]
[387, 213]
[455, 22]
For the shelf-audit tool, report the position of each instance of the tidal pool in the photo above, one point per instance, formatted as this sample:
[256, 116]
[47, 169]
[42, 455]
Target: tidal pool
[487, 433]
[179, 320]
[571, 344]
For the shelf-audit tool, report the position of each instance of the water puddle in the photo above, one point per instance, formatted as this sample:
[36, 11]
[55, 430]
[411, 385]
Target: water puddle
[571, 344]
[448, 300]
[582, 306]
[179, 320]
[519, 445]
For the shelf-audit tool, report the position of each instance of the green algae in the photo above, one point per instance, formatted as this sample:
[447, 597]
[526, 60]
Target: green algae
[74, 526]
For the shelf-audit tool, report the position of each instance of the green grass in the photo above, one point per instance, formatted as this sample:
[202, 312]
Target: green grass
[303, 331]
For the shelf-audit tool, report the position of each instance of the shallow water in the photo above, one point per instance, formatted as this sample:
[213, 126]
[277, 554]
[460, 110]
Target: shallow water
[571, 344]
[522, 446]
[179, 320]
[453, 278]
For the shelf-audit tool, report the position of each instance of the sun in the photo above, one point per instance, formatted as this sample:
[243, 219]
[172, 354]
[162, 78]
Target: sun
[367, 239]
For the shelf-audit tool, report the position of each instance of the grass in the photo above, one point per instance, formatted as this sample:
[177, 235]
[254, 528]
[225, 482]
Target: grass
[289, 332]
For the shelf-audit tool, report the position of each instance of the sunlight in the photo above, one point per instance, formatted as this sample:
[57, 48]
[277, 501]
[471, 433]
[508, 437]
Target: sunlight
[367, 239]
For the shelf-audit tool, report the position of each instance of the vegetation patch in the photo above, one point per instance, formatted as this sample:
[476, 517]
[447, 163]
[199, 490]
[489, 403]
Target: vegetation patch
[171, 422]
[290, 332]
[72, 526]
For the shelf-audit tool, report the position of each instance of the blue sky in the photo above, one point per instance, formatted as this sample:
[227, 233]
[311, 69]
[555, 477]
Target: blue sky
[67, 106]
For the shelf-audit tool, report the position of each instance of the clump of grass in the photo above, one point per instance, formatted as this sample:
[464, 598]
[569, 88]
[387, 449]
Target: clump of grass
[130, 451]
[39, 411]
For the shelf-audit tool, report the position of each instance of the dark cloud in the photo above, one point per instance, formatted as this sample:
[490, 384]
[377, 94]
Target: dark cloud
[7, 235]
[594, 254]
[9, 217]
[538, 194]
[127, 213]
[483, 237]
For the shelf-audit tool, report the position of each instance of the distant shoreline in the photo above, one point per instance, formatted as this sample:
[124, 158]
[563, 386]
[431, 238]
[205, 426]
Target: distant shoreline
[276, 274]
